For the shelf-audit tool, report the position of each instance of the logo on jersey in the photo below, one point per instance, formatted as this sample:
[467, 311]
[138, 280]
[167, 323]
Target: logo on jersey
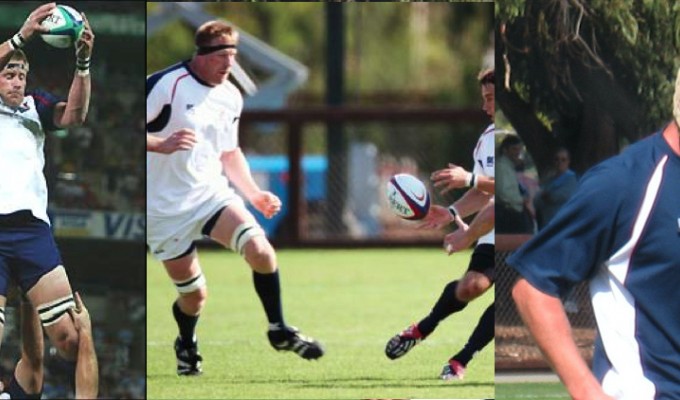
[189, 106]
[489, 161]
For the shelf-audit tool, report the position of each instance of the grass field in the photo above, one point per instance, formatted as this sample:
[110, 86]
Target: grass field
[351, 300]
[522, 391]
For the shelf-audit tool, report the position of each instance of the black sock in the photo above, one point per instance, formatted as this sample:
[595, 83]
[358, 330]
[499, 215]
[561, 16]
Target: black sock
[481, 336]
[268, 289]
[186, 324]
[446, 305]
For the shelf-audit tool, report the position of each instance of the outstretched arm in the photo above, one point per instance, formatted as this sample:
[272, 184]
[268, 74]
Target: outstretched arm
[30, 27]
[87, 369]
[456, 177]
[74, 111]
[545, 317]
[462, 238]
[29, 371]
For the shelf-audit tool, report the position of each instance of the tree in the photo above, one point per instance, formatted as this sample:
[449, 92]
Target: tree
[589, 75]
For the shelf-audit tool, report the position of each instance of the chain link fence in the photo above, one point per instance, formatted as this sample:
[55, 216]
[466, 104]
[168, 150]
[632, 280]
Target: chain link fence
[344, 159]
[515, 347]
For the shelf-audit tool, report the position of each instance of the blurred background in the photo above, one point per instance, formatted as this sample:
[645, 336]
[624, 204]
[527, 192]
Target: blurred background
[578, 83]
[95, 175]
[344, 95]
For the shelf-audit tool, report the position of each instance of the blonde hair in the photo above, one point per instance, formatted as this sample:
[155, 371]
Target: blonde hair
[211, 30]
[676, 99]
[17, 55]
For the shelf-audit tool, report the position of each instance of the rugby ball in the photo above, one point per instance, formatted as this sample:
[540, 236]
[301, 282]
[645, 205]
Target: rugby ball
[407, 197]
[65, 25]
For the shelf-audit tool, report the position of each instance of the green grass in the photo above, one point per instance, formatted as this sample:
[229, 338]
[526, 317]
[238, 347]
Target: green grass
[351, 300]
[522, 391]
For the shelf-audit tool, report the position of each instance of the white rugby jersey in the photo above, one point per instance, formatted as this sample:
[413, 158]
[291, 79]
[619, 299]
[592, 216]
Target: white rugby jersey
[483, 156]
[175, 99]
[22, 138]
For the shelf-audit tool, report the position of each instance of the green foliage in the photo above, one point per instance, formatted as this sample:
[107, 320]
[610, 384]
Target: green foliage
[619, 56]
[351, 300]
[423, 52]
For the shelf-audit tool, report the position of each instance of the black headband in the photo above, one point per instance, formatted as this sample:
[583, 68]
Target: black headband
[202, 50]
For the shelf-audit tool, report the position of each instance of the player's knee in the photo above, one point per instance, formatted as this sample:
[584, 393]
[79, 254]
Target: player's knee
[260, 255]
[193, 302]
[193, 293]
[470, 289]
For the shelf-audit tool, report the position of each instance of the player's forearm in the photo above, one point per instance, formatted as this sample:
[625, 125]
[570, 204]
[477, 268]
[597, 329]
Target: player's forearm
[486, 184]
[153, 143]
[483, 222]
[545, 317]
[237, 170]
[5, 51]
[78, 102]
[87, 368]
[472, 201]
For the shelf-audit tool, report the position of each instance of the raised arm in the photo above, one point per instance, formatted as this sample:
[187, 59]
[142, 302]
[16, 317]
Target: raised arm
[87, 368]
[74, 111]
[28, 29]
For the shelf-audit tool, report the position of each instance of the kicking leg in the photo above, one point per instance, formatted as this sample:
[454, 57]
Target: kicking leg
[236, 228]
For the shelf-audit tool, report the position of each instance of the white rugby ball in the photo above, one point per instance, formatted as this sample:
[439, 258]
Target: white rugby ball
[407, 197]
[65, 26]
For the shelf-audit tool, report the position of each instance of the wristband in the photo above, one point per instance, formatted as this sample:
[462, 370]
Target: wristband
[82, 72]
[452, 210]
[473, 181]
[83, 63]
[17, 41]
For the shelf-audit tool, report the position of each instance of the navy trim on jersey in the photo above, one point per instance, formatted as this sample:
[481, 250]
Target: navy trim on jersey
[199, 80]
[153, 79]
[621, 232]
[44, 105]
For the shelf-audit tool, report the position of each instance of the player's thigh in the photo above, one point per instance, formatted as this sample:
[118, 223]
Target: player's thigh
[52, 297]
[229, 219]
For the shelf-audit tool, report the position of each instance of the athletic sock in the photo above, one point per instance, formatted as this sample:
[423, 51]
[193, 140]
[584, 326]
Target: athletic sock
[186, 324]
[481, 336]
[268, 289]
[446, 305]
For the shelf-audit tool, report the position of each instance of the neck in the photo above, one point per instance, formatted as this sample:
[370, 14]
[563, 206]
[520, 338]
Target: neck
[672, 137]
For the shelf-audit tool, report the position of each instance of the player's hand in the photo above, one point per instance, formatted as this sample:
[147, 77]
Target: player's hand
[80, 315]
[457, 240]
[453, 177]
[35, 18]
[267, 203]
[85, 44]
[437, 217]
[182, 140]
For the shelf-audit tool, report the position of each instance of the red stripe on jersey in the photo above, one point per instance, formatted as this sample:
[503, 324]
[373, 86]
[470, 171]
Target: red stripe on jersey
[174, 87]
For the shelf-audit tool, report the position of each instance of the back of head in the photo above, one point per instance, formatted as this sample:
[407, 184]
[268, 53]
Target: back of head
[510, 140]
[486, 77]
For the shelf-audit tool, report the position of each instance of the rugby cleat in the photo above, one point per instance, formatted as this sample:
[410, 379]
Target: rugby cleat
[289, 338]
[403, 342]
[188, 359]
[453, 370]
